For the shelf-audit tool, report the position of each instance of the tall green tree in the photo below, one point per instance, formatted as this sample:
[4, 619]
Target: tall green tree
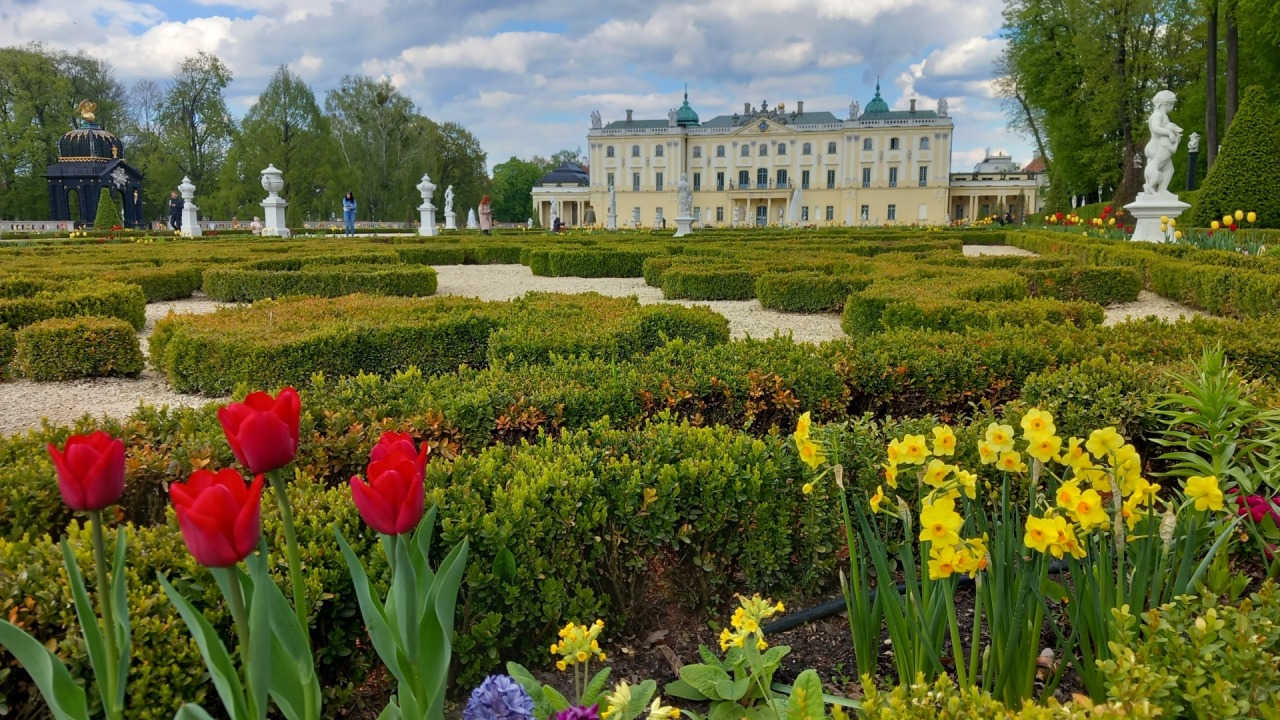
[380, 140]
[35, 110]
[144, 147]
[94, 79]
[456, 158]
[513, 188]
[285, 128]
[197, 129]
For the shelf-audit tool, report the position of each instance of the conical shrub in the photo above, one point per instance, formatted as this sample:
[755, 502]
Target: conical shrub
[1246, 175]
[108, 214]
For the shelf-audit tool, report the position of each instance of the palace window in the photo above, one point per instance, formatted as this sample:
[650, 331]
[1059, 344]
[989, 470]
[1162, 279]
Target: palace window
[866, 177]
[608, 152]
[697, 151]
[746, 151]
[720, 214]
[635, 182]
[831, 212]
[831, 148]
[610, 180]
[657, 151]
[744, 179]
[762, 177]
[697, 182]
[804, 179]
[924, 143]
[635, 151]
[924, 175]
[831, 179]
[782, 178]
[893, 177]
[806, 149]
[720, 181]
[657, 181]
[764, 149]
[782, 149]
[719, 151]
[893, 143]
[893, 212]
[804, 213]
[866, 144]
[865, 213]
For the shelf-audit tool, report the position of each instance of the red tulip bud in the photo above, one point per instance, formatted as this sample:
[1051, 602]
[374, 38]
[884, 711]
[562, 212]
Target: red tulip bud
[263, 431]
[90, 470]
[391, 500]
[220, 516]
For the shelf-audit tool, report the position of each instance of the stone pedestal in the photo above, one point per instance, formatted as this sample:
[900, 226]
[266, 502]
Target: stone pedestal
[611, 221]
[427, 226]
[190, 212]
[450, 220]
[1148, 209]
[273, 217]
[684, 225]
[1193, 162]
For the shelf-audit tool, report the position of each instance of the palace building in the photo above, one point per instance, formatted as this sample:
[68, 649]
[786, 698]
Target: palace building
[776, 166]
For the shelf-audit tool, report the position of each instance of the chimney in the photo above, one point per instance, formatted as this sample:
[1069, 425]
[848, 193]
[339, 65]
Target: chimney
[913, 104]
[799, 107]
[746, 108]
[628, 116]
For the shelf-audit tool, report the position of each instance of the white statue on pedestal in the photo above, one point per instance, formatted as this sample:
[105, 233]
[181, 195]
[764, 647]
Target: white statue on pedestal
[450, 218]
[611, 221]
[273, 207]
[595, 120]
[685, 195]
[1165, 137]
[1193, 143]
[853, 110]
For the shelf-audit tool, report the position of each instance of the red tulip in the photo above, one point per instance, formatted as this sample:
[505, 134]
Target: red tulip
[1234, 227]
[263, 431]
[1259, 507]
[392, 499]
[90, 470]
[220, 516]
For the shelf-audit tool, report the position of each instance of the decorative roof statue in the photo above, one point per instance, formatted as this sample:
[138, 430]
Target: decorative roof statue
[87, 119]
[595, 120]
[942, 107]
[853, 110]
[671, 118]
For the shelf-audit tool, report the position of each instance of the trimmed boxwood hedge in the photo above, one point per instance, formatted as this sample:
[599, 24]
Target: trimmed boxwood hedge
[864, 315]
[588, 262]
[806, 292]
[7, 341]
[78, 347]
[106, 299]
[1102, 285]
[709, 281]
[246, 284]
[1245, 175]
[161, 283]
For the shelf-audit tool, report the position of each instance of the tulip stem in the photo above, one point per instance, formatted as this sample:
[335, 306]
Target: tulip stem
[240, 617]
[300, 606]
[108, 619]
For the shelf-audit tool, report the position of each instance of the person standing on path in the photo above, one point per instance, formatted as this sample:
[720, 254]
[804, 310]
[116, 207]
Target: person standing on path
[486, 215]
[175, 211]
[349, 214]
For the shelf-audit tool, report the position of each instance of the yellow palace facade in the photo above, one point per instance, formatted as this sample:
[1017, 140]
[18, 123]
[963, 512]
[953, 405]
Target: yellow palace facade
[774, 166]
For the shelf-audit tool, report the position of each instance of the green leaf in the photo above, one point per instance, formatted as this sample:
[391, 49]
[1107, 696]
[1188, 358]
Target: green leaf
[293, 675]
[221, 670]
[558, 702]
[258, 672]
[735, 690]
[372, 611]
[1052, 590]
[726, 711]
[504, 566]
[61, 693]
[88, 618]
[422, 538]
[640, 696]
[525, 679]
[806, 698]
[436, 628]
[402, 602]
[591, 693]
[705, 679]
[120, 608]
[391, 711]
[684, 691]
[191, 711]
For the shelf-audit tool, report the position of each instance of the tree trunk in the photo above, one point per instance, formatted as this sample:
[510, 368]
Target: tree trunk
[1035, 129]
[1233, 65]
[1211, 86]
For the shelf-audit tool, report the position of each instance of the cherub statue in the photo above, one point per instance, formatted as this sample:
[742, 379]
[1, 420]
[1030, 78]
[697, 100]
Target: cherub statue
[1159, 150]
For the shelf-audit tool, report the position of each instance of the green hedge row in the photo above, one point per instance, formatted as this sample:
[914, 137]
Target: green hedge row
[870, 315]
[7, 343]
[249, 284]
[592, 263]
[105, 299]
[277, 343]
[161, 283]
[1101, 285]
[806, 292]
[78, 347]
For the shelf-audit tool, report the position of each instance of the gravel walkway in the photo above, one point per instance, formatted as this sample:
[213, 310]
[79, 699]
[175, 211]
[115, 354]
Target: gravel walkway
[1149, 304]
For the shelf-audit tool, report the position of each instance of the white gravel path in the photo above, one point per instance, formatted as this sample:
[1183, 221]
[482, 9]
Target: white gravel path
[24, 403]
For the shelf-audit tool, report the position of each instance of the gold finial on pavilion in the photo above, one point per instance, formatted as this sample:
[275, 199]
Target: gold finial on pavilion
[86, 108]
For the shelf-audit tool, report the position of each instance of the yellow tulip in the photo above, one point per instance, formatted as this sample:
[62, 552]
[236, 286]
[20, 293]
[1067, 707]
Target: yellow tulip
[1239, 215]
[1252, 216]
[1173, 222]
[1214, 225]
[1178, 234]
[1164, 219]
[1226, 220]
[1111, 221]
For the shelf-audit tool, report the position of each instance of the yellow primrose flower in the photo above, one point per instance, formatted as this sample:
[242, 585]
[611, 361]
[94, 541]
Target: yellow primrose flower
[1104, 442]
[811, 454]
[877, 499]
[802, 427]
[944, 441]
[1037, 423]
[616, 702]
[1088, 511]
[1041, 532]
[748, 621]
[1011, 461]
[936, 473]
[807, 488]
[942, 562]
[914, 450]
[1044, 447]
[658, 711]
[1205, 491]
[987, 453]
[939, 522]
[1068, 493]
[891, 475]
[578, 643]
[1000, 437]
[969, 482]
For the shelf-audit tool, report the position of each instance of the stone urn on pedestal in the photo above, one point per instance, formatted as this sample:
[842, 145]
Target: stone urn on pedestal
[274, 223]
[190, 213]
[427, 226]
[1155, 201]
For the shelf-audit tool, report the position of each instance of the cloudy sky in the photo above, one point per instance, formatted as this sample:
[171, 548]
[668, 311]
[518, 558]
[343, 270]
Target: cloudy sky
[524, 75]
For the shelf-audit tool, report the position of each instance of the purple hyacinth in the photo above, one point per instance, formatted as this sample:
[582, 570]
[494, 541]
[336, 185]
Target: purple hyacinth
[499, 698]
[580, 713]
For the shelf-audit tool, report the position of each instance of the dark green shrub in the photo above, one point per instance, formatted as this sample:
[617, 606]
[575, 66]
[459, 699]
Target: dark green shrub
[1099, 392]
[1245, 176]
[105, 299]
[806, 291]
[162, 283]
[246, 285]
[587, 263]
[869, 315]
[7, 341]
[493, 255]
[79, 347]
[108, 215]
[426, 255]
[709, 281]
[1101, 285]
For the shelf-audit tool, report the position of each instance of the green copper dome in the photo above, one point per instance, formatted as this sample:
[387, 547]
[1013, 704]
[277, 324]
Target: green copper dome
[685, 116]
[877, 104]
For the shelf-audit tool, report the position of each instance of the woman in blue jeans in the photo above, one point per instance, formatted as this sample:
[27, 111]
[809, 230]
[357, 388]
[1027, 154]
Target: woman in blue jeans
[349, 213]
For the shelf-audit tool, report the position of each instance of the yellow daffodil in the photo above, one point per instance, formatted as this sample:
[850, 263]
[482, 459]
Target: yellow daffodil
[802, 427]
[936, 473]
[1037, 423]
[1068, 543]
[942, 562]
[987, 453]
[969, 482]
[914, 450]
[1088, 511]
[939, 522]
[1000, 437]
[1205, 492]
[877, 499]
[1104, 442]
[895, 452]
[944, 441]
[616, 702]
[1044, 448]
[1041, 533]
[1144, 490]
[1134, 510]
[891, 475]
[811, 454]
[1252, 216]
[1068, 493]
[1011, 461]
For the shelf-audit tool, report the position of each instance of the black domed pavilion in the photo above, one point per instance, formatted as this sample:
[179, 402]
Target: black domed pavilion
[89, 159]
